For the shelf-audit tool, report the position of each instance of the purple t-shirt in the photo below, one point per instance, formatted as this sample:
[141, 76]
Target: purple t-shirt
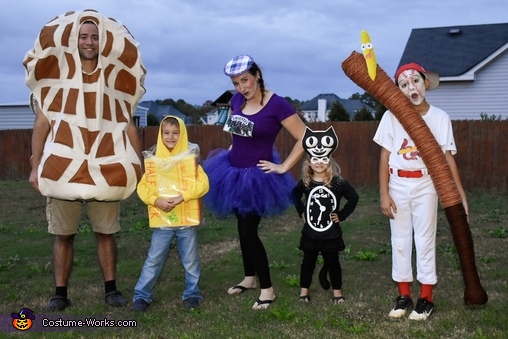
[247, 151]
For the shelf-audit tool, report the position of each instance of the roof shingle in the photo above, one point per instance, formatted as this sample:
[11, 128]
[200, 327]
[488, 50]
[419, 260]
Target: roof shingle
[453, 50]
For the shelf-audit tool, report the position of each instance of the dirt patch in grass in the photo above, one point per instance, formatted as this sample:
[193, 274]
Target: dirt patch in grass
[214, 251]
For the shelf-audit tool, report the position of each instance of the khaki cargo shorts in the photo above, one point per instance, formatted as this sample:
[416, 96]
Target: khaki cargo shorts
[64, 216]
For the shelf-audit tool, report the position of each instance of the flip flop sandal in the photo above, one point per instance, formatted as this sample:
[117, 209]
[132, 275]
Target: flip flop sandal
[304, 298]
[240, 288]
[262, 304]
[338, 300]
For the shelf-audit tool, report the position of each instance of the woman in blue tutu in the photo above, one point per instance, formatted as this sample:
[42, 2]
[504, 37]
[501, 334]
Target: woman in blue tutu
[248, 179]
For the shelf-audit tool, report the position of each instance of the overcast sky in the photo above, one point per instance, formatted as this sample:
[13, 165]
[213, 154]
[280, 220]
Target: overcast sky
[298, 44]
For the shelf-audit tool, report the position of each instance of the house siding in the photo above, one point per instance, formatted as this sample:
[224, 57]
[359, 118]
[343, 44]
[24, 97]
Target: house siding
[16, 117]
[21, 116]
[487, 94]
[141, 114]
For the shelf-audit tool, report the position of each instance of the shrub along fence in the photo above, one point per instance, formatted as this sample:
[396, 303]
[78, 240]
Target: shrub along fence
[482, 155]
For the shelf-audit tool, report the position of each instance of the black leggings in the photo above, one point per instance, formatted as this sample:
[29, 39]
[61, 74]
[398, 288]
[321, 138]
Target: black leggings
[255, 260]
[331, 260]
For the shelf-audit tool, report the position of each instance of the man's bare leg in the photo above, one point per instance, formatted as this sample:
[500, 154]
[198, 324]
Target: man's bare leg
[107, 253]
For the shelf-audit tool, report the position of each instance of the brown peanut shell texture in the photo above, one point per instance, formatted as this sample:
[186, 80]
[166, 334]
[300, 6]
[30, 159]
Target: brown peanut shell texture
[387, 93]
[88, 154]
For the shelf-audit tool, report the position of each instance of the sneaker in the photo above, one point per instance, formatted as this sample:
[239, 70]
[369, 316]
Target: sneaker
[115, 299]
[139, 305]
[191, 303]
[423, 310]
[402, 304]
[57, 303]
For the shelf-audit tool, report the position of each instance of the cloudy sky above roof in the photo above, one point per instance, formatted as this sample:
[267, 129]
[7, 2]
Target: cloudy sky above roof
[299, 44]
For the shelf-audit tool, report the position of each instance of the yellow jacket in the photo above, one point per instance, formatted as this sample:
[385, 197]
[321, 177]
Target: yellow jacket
[170, 173]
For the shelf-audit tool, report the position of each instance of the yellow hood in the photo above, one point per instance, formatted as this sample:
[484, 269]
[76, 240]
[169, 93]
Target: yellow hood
[181, 146]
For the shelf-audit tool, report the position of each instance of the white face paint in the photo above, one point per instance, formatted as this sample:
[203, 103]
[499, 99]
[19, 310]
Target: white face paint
[412, 84]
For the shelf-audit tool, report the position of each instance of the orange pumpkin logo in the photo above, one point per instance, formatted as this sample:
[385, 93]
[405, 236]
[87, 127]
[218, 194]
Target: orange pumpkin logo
[23, 320]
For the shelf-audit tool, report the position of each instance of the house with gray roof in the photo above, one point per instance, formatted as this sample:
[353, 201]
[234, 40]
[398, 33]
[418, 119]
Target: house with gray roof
[318, 108]
[472, 62]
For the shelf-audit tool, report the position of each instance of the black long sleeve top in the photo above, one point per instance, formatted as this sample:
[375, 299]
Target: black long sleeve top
[320, 202]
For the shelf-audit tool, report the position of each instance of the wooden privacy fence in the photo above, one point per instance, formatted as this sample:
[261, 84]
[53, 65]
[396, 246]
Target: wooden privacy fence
[482, 155]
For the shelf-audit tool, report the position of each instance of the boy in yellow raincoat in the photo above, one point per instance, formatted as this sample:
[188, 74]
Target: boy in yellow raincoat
[171, 187]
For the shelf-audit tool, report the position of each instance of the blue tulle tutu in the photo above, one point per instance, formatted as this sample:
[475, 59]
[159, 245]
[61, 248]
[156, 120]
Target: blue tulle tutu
[245, 190]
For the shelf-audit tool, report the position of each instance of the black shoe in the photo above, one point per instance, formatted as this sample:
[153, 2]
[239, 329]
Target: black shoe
[191, 303]
[57, 303]
[402, 304]
[115, 299]
[139, 305]
[423, 310]
[323, 279]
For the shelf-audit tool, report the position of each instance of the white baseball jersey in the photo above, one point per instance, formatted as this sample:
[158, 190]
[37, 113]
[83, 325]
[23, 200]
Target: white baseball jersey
[403, 152]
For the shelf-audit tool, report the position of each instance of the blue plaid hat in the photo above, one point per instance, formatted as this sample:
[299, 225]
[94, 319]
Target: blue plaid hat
[238, 65]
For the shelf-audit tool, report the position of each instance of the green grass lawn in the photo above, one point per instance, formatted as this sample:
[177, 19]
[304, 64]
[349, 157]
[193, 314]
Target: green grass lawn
[26, 276]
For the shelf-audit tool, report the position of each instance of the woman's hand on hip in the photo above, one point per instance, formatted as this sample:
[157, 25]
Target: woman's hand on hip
[270, 167]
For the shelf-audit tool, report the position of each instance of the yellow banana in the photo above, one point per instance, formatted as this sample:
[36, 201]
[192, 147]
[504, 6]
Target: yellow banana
[368, 53]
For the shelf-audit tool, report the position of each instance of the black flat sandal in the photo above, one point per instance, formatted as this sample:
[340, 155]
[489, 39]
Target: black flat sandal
[338, 300]
[304, 298]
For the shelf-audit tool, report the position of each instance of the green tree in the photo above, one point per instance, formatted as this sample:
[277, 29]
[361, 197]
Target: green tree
[338, 112]
[355, 96]
[194, 112]
[295, 103]
[492, 117]
[380, 110]
[152, 120]
[168, 102]
[363, 114]
[368, 99]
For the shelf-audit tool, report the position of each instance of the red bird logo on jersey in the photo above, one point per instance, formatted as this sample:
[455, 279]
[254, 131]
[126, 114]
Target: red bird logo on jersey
[408, 152]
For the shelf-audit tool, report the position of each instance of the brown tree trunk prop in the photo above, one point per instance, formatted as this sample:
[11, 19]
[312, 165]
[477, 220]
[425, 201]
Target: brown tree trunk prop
[385, 91]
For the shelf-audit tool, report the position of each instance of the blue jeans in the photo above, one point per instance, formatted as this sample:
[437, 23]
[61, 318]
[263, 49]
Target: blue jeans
[187, 243]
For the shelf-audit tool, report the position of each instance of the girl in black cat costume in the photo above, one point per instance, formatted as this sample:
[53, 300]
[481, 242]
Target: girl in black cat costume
[322, 189]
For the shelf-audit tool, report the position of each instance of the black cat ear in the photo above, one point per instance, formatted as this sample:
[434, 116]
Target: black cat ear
[306, 135]
[331, 132]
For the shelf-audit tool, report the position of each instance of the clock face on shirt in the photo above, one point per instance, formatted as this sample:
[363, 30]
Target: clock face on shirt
[321, 202]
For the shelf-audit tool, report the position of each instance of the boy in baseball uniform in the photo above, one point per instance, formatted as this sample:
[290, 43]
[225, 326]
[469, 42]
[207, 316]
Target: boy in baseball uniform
[407, 193]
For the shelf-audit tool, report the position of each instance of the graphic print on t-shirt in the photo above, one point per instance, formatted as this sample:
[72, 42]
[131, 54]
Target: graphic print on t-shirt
[408, 152]
[320, 205]
[239, 125]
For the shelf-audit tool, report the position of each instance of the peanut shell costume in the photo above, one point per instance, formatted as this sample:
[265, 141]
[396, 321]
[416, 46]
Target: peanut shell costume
[87, 154]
